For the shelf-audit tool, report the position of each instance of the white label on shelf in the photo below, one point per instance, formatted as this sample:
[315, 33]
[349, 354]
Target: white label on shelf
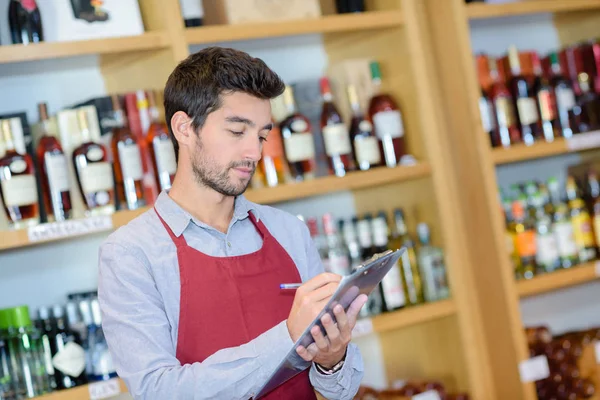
[367, 150]
[534, 369]
[70, 360]
[388, 123]
[364, 326]
[527, 108]
[428, 395]
[299, 147]
[165, 156]
[58, 172]
[597, 346]
[104, 389]
[337, 140]
[131, 161]
[20, 190]
[76, 227]
[97, 177]
[581, 141]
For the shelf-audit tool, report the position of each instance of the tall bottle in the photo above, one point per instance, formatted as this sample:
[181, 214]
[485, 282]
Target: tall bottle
[54, 172]
[507, 130]
[565, 96]
[582, 222]
[374, 304]
[336, 138]
[364, 141]
[68, 354]
[387, 121]
[431, 263]
[523, 229]
[547, 256]
[8, 390]
[525, 101]
[127, 161]
[593, 203]
[17, 183]
[319, 240]
[25, 22]
[411, 277]
[101, 363]
[46, 334]
[298, 140]
[161, 147]
[272, 163]
[563, 227]
[546, 101]
[351, 240]
[337, 254]
[94, 172]
[585, 116]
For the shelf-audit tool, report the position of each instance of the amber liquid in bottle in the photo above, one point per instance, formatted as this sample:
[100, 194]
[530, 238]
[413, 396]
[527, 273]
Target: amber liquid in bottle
[161, 148]
[272, 166]
[127, 161]
[53, 167]
[387, 121]
[507, 130]
[18, 186]
[546, 99]
[364, 142]
[585, 116]
[94, 172]
[298, 141]
[335, 135]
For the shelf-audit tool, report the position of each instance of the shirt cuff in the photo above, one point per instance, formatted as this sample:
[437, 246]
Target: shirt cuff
[342, 377]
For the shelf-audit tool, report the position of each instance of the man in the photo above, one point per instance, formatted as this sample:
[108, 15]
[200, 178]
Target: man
[189, 290]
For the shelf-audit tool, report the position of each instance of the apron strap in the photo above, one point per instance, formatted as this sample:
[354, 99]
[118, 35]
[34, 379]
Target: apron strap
[179, 241]
[260, 227]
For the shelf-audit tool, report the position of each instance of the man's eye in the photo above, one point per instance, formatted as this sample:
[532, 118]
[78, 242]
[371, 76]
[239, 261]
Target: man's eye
[263, 139]
[237, 133]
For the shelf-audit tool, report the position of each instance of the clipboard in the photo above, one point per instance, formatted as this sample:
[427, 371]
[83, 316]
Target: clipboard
[363, 280]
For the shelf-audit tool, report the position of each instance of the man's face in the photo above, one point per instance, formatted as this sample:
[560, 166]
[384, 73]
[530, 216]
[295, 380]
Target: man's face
[229, 145]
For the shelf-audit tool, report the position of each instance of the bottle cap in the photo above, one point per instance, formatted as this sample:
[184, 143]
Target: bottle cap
[375, 70]
[324, 84]
[20, 317]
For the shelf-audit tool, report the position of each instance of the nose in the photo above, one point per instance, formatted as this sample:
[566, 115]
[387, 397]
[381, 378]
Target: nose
[253, 148]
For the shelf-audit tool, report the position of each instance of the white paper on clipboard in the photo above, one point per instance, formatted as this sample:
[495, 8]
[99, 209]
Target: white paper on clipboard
[363, 281]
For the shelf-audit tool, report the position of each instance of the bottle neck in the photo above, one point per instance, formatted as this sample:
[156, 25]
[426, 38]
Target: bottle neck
[6, 129]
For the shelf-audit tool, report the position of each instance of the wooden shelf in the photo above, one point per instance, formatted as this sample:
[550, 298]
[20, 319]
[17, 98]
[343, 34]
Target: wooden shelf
[560, 279]
[482, 10]
[325, 24]
[48, 50]
[330, 184]
[99, 389]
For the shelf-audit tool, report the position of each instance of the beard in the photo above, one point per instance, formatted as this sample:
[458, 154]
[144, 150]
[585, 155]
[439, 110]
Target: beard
[209, 173]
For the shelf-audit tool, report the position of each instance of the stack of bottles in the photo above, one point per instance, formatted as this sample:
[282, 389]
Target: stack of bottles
[526, 99]
[573, 362]
[549, 228]
[65, 347]
[405, 390]
[420, 275]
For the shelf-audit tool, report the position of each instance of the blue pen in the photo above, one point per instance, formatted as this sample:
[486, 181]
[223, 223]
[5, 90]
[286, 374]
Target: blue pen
[290, 285]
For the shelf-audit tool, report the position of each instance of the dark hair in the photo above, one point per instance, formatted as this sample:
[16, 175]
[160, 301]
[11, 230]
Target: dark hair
[196, 84]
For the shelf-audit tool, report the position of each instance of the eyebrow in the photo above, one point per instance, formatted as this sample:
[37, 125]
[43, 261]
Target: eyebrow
[236, 119]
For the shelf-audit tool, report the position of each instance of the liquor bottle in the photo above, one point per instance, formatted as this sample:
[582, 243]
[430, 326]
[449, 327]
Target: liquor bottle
[488, 118]
[54, 172]
[127, 161]
[431, 264]
[319, 240]
[70, 370]
[546, 101]
[523, 229]
[161, 147]
[45, 331]
[350, 235]
[507, 130]
[411, 277]
[102, 367]
[585, 116]
[547, 257]
[387, 121]
[525, 102]
[582, 223]
[25, 22]
[337, 253]
[336, 138]
[298, 141]
[17, 183]
[93, 171]
[593, 203]
[392, 288]
[272, 164]
[365, 144]
[565, 96]
[374, 304]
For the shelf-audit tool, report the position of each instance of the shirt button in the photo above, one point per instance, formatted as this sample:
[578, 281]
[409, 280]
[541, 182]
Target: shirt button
[229, 244]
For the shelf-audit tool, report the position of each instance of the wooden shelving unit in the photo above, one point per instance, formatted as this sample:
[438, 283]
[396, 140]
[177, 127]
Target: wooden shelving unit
[413, 315]
[524, 7]
[85, 392]
[557, 280]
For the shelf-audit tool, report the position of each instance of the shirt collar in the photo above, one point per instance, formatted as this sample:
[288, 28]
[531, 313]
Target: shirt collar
[178, 218]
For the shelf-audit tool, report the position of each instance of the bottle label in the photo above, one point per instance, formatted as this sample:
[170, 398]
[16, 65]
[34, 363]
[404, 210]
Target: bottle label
[131, 161]
[525, 243]
[165, 156]
[565, 98]
[58, 173]
[388, 123]
[97, 177]
[528, 113]
[505, 113]
[393, 292]
[367, 150]
[273, 147]
[487, 114]
[338, 264]
[299, 147]
[582, 227]
[567, 247]
[547, 249]
[337, 140]
[547, 105]
[70, 360]
[20, 190]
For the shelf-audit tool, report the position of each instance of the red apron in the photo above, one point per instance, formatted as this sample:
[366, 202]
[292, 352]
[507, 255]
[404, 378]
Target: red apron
[228, 301]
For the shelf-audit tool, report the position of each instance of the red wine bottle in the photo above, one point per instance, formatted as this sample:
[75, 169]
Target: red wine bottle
[25, 22]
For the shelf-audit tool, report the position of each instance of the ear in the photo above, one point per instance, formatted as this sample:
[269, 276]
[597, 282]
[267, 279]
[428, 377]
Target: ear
[181, 124]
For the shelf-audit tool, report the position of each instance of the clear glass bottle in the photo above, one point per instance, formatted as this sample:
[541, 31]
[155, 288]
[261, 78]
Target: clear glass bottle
[161, 147]
[364, 140]
[431, 264]
[337, 254]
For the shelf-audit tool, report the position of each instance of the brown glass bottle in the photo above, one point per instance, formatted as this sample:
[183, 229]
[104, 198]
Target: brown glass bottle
[272, 166]
[336, 138]
[582, 222]
[546, 101]
[18, 187]
[129, 172]
[565, 96]
[94, 172]
[387, 121]
[507, 130]
[298, 140]
[161, 147]
[54, 173]
[365, 144]
[585, 116]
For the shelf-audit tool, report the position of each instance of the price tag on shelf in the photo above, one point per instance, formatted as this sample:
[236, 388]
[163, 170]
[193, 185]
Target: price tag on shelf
[534, 369]
[582, 141]
[64, 229]
[428, 395]
[363, 327]
[597, 351]
[104, 389]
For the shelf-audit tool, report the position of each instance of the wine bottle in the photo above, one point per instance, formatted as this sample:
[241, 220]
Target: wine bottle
[565, 96]
[272, 165]
[161, 147]
[546, 100]
[25, 22]
[364, 141]
[507, 130]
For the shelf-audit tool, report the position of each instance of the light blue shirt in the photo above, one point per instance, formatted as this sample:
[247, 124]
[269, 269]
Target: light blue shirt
[139, 292]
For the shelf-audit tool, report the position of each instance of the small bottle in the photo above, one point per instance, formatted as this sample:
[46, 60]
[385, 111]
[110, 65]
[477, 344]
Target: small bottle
[337, 254]
[272, 165]
[364, 141]
[433, 270]
[93, 171]
[582, 223]
[18, 184]
[523, 229]
[411, 277]
[54, 171]
[161, 147]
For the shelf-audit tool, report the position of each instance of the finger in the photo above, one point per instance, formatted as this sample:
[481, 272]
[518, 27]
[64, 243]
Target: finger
[354, 309]
[320, 280]
[333, 333]
[320, 340]
[324, 292]
[313, 350]
[342, 323]
[304, 353]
